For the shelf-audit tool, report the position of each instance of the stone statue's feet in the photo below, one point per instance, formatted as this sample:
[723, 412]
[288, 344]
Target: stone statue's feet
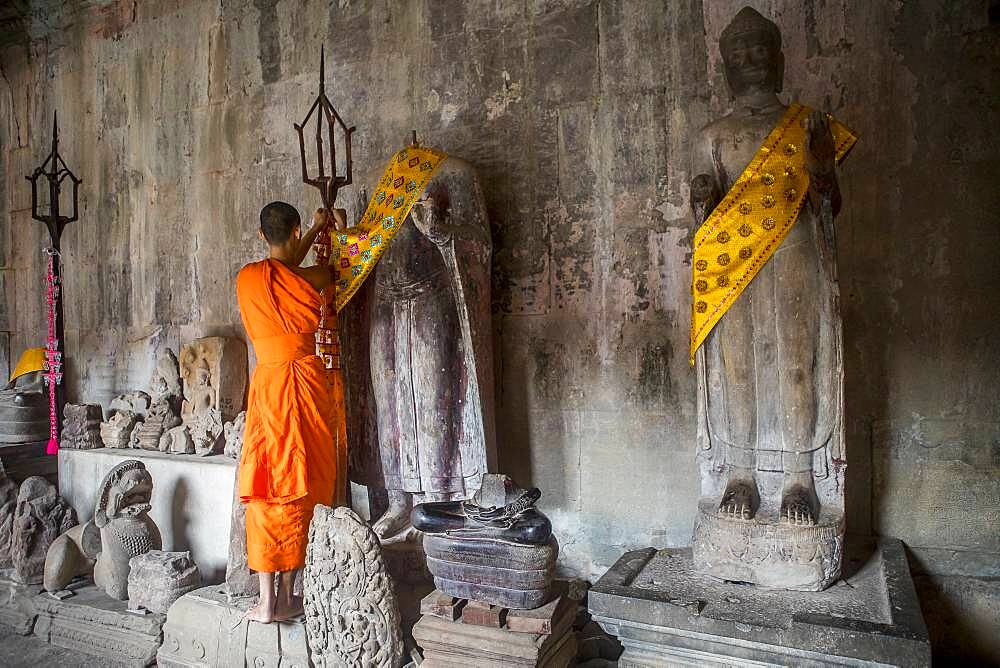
[396, 520]
[740, 500]
[797, 507]
[286, 610]
[260, 613]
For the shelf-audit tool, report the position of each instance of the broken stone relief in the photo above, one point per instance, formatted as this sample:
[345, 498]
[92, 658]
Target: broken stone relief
[149, 434]
[496, 548]
[121, 514]
[8, 507]
[207, 432]
[81, 427]
[136, 401]
[166, 382]
[118, 431]
[234, 436]
[214, 374]
[177, 441]
[771, 449]
[41, 516]
[352, 618]
[434, 441]
[156, 579]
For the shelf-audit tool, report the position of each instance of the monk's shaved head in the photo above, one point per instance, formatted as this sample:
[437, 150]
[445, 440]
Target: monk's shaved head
[277, 222]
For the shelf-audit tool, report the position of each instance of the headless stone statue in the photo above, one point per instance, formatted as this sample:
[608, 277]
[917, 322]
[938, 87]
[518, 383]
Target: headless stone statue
[421, 385]
[770, 373]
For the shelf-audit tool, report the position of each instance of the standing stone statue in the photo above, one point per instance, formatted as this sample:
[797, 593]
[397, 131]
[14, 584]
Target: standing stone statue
[766, 335]
[122, 515]
[166, 382]
[421, 381]
[41, 517]
[352, 618]
[214, 374]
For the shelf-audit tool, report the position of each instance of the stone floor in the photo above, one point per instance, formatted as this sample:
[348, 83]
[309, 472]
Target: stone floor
[17, 651]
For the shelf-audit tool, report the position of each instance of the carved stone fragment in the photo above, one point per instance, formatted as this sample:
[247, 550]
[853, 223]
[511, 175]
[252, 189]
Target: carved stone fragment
[72, 554]
[41, 517]
[177, 441]
[136, 401]
[157, 579]
[161, 419]
[352, 618]
[117, 432]
[81, 427]
[8, 504]
[234, 436]
[166, 382]
[207, 432]
[240, 582]
[214, 374]
[123, 504]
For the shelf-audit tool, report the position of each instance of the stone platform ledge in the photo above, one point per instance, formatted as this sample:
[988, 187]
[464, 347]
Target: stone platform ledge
[91, 622]
[666, 614]
[192, 498]
[204, 629]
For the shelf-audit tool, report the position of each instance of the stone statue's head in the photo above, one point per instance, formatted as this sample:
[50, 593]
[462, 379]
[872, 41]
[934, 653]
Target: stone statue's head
[751, 53]
[126, 491]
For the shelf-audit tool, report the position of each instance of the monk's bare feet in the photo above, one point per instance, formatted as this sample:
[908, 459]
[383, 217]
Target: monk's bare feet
[260, 613]
[286, 610]
[797, 507]
[396, 519]
[740, 500]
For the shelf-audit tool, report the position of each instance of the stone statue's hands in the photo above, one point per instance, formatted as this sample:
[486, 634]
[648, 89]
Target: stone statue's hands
[704, 196]
[430, 213]
[821, 152]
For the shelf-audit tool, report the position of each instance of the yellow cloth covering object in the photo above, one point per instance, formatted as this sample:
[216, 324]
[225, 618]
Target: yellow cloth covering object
[356, 250]
[752, 220]
[32, 359]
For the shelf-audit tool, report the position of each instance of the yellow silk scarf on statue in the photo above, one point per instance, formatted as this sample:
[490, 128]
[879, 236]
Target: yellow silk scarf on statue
[357, 249]
[752, 220]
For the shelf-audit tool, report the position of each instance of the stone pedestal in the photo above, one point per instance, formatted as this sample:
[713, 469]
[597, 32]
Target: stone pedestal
[204, 630]
[191, 497]
[92, 623]
[493, 571]
[456, 633]
[667, 614]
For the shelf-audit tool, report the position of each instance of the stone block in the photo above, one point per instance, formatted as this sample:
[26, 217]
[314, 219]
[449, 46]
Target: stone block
[93, 623]
[484, 614]
[544, 619]
[188, 493]
[492, 571]
[204, 630]
[452, 645]
[441, 605]
[664, 612]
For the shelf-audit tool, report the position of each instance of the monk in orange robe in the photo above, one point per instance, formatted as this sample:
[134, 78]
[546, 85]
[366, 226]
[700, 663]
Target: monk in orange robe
[294, 450]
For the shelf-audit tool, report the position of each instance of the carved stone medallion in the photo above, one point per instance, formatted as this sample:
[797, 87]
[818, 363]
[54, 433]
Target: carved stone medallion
[352, 618]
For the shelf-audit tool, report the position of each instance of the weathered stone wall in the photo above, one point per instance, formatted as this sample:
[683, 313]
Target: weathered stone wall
[577, 113]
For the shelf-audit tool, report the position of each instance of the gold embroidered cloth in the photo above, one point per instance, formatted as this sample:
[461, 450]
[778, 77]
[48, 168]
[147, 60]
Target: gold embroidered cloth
[752, 220]
[357, 249]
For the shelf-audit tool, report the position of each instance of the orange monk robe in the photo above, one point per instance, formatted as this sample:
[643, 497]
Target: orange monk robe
[294, 448]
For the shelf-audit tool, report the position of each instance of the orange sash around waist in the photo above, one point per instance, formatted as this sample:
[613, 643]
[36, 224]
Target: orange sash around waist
[284, 347]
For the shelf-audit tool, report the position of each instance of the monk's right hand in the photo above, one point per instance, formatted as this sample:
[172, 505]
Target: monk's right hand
[339, 218]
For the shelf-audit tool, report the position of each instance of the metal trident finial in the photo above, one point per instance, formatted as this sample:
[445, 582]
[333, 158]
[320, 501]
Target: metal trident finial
[57, 171]
[327, 184]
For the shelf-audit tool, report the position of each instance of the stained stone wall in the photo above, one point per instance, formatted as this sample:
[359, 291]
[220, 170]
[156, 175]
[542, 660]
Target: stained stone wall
[577, 113]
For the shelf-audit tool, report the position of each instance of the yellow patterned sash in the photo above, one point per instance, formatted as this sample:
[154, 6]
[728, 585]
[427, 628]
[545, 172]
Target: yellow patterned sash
[357, 249]
[752, 220]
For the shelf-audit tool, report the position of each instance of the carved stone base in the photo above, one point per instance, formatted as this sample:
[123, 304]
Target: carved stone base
[667, 614]
[92, 623]
[493, 571]
[546, 639]
[16, 610]
[804, 558]
[204, 630]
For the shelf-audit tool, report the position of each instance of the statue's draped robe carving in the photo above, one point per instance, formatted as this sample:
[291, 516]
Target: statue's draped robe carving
[294, 453]
[418, 355]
